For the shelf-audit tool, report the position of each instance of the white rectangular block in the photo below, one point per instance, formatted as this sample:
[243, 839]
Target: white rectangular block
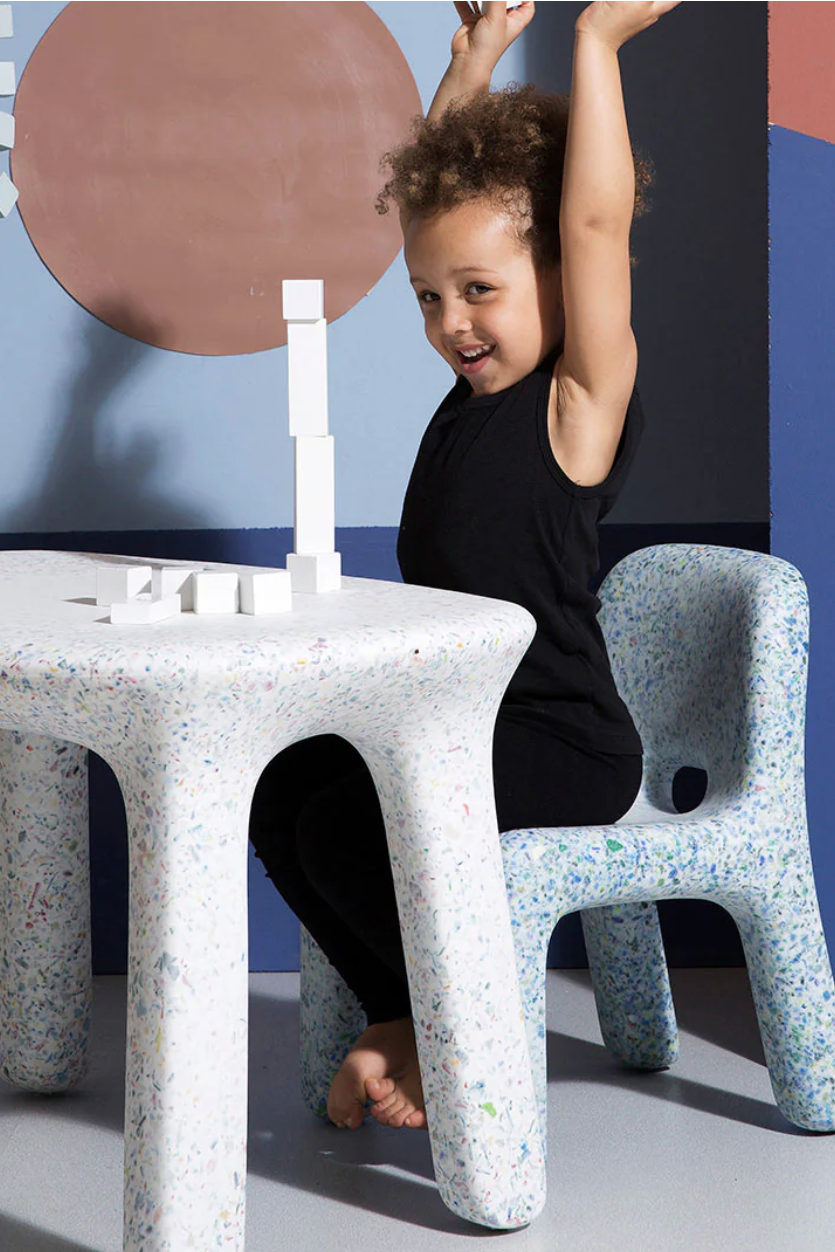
[215, 591]
[116, 583]
[169, 580]
[143, 611]
[315, 571]
[6, 26]
[8, 195]
[8, 84]
[266, 591]
[303, 299]
[315, 501]
[307, 373]
[6, 130]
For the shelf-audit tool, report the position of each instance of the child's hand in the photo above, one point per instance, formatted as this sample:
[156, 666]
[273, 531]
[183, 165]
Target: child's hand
[483, 38]
[615, 23]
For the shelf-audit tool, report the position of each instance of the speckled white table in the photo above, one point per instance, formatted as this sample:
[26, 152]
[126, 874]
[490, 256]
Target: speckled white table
[188, 713]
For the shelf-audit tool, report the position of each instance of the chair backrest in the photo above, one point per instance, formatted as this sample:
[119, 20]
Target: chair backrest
[709, 650]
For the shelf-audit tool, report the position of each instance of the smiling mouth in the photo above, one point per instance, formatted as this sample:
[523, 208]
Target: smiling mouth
[479, 356]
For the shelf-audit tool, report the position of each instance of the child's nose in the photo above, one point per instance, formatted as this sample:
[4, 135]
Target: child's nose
[455, 318]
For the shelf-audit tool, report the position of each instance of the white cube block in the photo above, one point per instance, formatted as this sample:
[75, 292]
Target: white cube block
[169, 580]
[315, 506]
[8, 84]
[215, 591]
[315, 571]
[6, 130]
[143, 610]
[121, 582]
[307, 372]
[265, 591]
[8, 195]
[303, 299]
[6, 27]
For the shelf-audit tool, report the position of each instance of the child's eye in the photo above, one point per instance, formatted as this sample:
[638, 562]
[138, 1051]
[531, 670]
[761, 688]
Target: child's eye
[430, 297]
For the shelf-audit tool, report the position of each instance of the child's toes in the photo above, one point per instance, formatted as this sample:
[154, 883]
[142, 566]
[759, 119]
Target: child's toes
[346, 1116]
[383, 1111]
[398, 1116]
[380, 1089]
[388, 1116]
[416, 1120]
[346, 1103]
[355, 1118]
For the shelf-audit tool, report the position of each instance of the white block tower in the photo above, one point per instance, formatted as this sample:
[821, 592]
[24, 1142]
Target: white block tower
[313, 565]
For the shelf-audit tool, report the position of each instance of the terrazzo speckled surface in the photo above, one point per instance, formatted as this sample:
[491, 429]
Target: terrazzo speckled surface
[45, 970]
[709, 649]
[187, 713]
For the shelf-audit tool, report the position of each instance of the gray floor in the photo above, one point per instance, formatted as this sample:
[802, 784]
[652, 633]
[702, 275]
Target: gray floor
[697, 1158]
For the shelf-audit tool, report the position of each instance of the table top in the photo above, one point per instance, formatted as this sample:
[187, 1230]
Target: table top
[338, 660]
[47, 608]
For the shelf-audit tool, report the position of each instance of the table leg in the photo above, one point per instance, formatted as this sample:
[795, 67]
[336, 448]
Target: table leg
[45, 970]
[186, 1081]
[436, 790]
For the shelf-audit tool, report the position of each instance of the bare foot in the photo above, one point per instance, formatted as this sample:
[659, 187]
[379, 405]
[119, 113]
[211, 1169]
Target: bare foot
[382, 1066]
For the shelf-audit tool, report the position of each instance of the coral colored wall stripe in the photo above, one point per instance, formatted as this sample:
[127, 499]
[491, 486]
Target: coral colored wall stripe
[802, 369]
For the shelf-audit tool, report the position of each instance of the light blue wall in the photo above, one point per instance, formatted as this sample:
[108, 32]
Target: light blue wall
[203, 440]
[187, 442]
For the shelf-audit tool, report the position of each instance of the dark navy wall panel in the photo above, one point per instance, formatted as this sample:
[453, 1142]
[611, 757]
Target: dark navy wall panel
[802, 261]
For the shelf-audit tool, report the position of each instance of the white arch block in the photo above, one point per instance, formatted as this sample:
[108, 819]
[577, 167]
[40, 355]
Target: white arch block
[315, 495]
[8, 85]
[303, 299]
[6, 131]
[307, 373]
[6, 27]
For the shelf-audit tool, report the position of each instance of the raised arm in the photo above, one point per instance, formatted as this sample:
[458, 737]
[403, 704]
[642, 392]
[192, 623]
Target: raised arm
[477, 46]
[600, 356]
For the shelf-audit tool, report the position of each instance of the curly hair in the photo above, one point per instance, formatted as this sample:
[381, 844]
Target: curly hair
[506, 147]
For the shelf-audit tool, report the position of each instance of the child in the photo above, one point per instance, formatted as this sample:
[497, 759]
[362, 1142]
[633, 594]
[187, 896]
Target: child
[516, 218]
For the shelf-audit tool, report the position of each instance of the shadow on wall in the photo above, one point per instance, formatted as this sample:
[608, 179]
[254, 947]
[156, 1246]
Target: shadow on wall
[88, 475]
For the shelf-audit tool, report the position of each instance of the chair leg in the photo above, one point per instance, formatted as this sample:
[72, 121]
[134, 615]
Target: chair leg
[531, 962]
[331, 1020]
[631, 984]
[794, 995]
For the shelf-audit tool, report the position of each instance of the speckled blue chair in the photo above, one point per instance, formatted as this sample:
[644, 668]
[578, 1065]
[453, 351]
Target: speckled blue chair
[709, 650]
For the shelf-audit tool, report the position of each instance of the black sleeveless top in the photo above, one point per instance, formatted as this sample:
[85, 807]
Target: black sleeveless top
[488, 511]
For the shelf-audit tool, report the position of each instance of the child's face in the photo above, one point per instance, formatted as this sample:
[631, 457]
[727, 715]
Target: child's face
[477, 287]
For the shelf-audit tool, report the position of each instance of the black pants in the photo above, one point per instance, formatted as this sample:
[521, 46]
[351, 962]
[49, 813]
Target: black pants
[317, 827]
